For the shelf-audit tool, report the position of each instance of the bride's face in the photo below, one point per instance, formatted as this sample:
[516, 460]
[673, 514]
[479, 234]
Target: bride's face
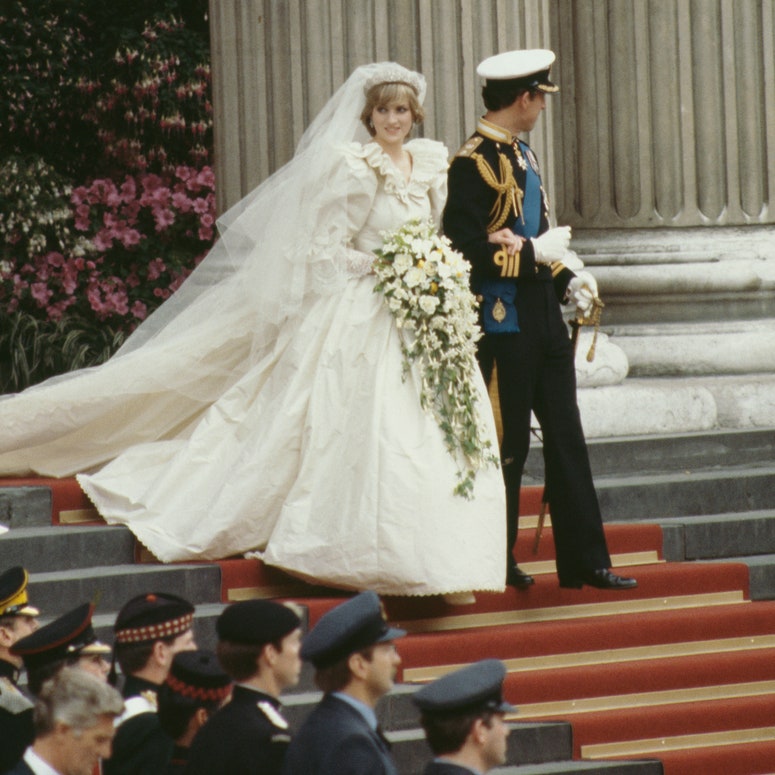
[392, 122]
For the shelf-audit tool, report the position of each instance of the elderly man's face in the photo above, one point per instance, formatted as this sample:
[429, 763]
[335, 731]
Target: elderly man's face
[81, 749]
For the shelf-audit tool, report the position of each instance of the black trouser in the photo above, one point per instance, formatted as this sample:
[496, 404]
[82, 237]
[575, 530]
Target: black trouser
[536, 372]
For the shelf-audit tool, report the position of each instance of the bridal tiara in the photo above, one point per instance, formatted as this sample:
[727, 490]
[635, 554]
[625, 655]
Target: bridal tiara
[393, 73]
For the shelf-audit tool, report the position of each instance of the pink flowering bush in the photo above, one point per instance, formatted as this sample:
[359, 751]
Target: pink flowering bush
[106, 191]
[133, 245]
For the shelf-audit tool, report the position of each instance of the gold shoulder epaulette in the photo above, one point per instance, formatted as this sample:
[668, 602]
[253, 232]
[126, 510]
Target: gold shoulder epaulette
[469, 146]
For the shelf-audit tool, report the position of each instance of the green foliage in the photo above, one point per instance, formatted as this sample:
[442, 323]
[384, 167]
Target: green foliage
[106, 194]
[32, 350]
[102, 88]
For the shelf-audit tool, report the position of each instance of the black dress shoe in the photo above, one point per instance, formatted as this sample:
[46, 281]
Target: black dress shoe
[515, 577]
[602, 578]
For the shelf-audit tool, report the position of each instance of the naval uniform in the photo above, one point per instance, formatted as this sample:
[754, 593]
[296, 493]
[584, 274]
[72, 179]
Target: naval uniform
[16, 729]
[248, 735]
[494, 182]
[336, 739]
[140, 747]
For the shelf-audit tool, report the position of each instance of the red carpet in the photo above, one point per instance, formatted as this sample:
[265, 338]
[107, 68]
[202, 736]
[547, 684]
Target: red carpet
[681, 668]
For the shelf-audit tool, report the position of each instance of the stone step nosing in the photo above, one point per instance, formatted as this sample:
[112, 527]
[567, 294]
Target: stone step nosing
[646, 746]
[664, 697]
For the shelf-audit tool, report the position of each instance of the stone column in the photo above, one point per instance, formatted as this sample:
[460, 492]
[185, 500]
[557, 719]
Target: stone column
[276, 62]
[667, 112]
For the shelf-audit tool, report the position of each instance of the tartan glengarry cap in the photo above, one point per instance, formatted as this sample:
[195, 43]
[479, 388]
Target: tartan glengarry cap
[153, 616]
[197, 675]
[71, 635]
[351, 626]
[472, 689]
[529, 67]
[13, 593]
[256, 622]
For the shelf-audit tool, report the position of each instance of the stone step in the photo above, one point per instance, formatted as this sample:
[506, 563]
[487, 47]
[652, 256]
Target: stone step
[47, 549]
[698, 349]
[686, 493]
[661, 453]
[761, 570]
[645, 406]
[111, 586]
[722, 536]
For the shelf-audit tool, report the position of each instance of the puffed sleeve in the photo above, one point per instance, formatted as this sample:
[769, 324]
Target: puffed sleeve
[431, 160]
[342, 206]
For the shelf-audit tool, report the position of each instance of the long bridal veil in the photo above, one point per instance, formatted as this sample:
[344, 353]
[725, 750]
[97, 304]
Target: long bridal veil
[279, 248]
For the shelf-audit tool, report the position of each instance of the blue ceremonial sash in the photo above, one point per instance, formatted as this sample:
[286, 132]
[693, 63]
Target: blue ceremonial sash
[500, 296]
[527, 226]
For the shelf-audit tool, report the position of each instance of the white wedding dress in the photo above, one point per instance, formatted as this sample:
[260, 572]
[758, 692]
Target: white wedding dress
[317, 453]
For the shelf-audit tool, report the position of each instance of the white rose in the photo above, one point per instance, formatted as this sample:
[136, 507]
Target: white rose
[414, 277]
[428, 304]
[402, 263]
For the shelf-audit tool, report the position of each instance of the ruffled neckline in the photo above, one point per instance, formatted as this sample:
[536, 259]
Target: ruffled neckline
[428, 160]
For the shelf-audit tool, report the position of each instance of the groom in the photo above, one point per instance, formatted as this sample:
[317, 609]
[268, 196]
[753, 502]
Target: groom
[497, 216]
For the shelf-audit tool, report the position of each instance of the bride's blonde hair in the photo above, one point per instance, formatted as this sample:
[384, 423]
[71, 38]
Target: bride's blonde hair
[383, 94]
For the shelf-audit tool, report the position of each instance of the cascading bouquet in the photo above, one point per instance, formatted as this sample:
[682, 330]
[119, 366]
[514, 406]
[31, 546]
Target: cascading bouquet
[425, 286]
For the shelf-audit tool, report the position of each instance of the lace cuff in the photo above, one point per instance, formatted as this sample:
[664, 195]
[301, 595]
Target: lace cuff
[357, 262]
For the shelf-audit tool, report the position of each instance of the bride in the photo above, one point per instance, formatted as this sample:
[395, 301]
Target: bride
[263, 407]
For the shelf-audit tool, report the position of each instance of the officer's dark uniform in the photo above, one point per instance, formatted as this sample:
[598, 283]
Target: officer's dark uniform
[196, 681]
[140, 746]
[249, 734]
[471, 691]
[16, 729]
[336, 738]
[494, 182]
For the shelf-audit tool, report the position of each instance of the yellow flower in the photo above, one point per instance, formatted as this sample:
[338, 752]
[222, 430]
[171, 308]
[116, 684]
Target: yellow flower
[434, 287]
[421, 263]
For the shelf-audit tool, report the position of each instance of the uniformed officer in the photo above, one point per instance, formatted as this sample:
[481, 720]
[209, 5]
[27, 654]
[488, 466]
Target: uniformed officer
[497, 216]
[194, 690]
[258, 645]
[355, 663]
[67, 641]
[149, 631]
[17, 619]
[462, 714]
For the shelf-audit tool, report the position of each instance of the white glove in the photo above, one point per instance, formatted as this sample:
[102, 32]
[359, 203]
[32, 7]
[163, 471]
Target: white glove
[582, 291]
[551, 245]
[572, 261]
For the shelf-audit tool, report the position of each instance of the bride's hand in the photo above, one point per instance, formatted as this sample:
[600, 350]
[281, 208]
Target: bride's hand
[506, 237]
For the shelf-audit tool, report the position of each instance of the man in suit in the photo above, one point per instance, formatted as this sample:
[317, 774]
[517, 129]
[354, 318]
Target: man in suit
[194, 690]
[355, 663]
[258, 646]
[74, 715]
[149, 631]
[497, 216]
[462, 714]
[17, 620]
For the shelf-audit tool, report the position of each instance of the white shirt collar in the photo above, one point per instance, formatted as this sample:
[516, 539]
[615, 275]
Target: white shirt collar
[37, 765]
